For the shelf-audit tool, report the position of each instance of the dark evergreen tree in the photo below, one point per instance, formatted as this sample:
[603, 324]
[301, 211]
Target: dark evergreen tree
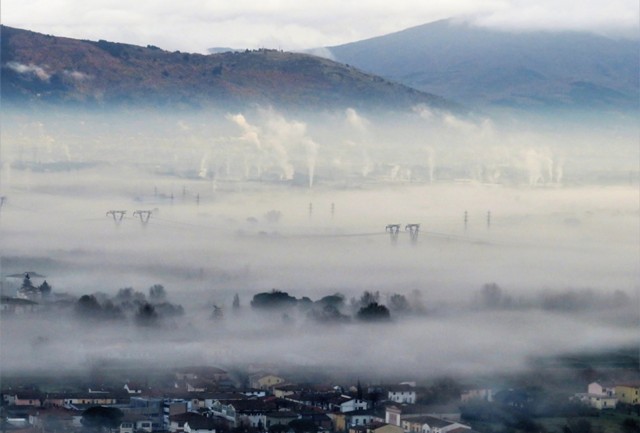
[45, 289]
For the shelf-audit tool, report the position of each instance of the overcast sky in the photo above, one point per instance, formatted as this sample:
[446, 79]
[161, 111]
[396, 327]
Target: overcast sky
[195, 25]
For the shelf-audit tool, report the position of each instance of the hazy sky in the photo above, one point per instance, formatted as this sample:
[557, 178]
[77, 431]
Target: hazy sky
[195, 25]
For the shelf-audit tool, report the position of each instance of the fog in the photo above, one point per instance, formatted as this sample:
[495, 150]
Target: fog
[247, 202]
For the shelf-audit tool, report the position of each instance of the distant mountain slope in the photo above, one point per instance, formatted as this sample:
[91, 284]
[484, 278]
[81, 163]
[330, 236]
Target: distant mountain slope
[481, 67]
[37, 67]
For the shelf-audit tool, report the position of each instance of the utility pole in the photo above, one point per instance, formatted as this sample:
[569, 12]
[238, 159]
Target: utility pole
[310, 209]
[118, 215]
[488, 219]
[413, 230]
[393, 230]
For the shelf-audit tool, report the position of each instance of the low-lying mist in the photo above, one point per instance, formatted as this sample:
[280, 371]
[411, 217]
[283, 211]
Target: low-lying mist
[528, 240]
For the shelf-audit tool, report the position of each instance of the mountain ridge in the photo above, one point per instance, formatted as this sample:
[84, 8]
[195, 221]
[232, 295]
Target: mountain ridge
[483, 67]
[38, 67]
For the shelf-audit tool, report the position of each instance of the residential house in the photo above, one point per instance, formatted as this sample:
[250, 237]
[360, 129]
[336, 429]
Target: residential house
[284, 390]
[339, 421]
[205, 399]
[89, 399]
[147, 408]
[279, 418]
[599, 396]
[430, 424]
[224, 410]
[265, 381]
[601, 388]
[18, 306]
[354, 404]
[393, 415]
[135, 424]
[319, 419]
[344, 403]
[628, 393]
[253, 412]
[363, 417]
[52, 419]
[469, 394]
[597, 401]
[402, 394]
[260, 393]
[24, 398]
[192, 422]
[172, 407]
[397, 414]
[54, 399]
[213, 374]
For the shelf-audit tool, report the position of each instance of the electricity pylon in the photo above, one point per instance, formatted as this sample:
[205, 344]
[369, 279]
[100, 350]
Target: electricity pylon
[393, 230]
[413, 230]
[118, 215]
[144, 216]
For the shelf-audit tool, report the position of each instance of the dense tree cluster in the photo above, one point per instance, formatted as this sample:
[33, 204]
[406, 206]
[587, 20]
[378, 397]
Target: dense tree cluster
[374, 312]
[492, 296]
[88, 307]
[128, 303]
[273, 300]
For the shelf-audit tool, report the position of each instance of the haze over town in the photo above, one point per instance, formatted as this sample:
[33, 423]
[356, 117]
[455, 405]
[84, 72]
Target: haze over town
[256, 208]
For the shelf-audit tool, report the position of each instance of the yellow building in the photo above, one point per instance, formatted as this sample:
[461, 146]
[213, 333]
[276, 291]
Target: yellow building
[264, 381]
[629, 394]
[339, 421]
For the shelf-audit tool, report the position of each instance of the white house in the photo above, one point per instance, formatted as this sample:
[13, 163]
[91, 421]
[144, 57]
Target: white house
[402, 394]
[429, 424]
[353, 404]
[135, 426]
[597, 388]
[191, 423]
[599, 396]
[469, 394]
